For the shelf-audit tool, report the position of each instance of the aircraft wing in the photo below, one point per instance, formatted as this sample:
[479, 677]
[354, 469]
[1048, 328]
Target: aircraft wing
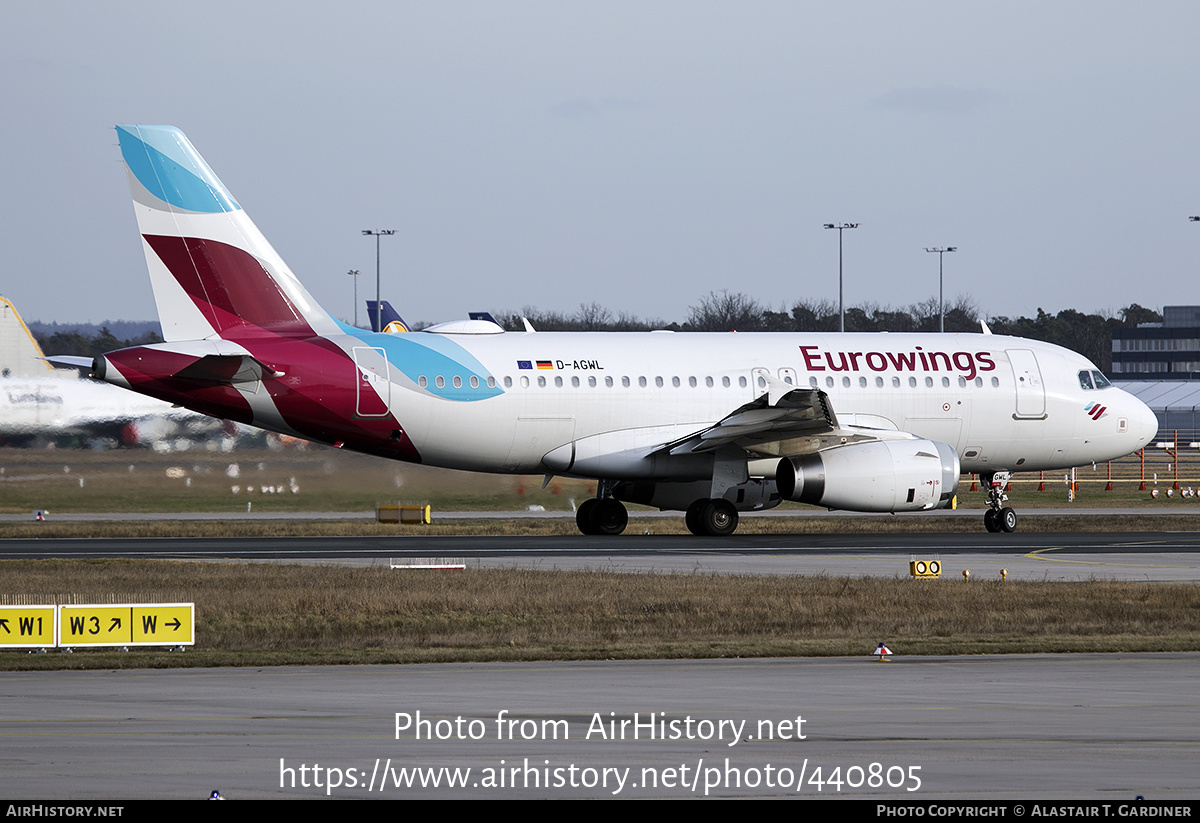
[782, 422]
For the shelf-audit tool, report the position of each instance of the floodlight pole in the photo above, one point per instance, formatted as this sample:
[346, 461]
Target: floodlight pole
[941, 251]
[354, 273]
[378, 233]
[841, 300]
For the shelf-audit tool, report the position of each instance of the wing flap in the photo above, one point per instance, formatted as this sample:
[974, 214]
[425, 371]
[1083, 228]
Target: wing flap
[784, 421]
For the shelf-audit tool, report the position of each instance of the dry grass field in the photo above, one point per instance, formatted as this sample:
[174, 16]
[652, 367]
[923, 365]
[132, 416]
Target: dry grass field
[259, 614]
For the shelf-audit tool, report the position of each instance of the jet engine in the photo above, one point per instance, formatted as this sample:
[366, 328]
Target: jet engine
[877, 476]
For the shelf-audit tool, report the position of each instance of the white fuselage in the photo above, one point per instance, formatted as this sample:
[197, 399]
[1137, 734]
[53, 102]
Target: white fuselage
[1001, 403]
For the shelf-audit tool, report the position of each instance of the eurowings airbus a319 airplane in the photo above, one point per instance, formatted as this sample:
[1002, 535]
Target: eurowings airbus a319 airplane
[708, 424]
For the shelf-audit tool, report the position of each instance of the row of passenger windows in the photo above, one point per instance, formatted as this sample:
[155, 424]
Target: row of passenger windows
[693, 382]
[457, 382]
[627, 382]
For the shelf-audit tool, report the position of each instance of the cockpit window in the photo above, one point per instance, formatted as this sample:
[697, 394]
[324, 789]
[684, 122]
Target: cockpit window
[1101, 380]
[1085, 380]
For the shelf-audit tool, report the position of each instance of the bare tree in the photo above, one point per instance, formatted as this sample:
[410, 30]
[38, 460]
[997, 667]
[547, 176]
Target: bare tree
[725, 311]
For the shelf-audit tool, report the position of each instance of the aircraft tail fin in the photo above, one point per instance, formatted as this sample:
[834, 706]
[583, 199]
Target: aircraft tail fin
[393, 323]
[20, 355]
[214, 274]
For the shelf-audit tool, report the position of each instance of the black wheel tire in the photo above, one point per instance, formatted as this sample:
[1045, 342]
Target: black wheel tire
[719, 518]
[691, 518]
[1007, 519]
[583, 515]
[991, 520]
[609, 517]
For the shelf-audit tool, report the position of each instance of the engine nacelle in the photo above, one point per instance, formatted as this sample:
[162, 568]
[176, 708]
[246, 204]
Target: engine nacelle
[878, 476]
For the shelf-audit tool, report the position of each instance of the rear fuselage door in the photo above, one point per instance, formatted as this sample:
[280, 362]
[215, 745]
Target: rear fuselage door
[373, 389]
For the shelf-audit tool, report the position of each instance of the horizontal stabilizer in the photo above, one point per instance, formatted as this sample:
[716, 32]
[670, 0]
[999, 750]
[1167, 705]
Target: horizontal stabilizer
[227, 368]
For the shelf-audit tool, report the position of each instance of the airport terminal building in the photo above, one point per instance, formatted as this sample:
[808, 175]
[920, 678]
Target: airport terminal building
[1159, 363]
[1156, 351]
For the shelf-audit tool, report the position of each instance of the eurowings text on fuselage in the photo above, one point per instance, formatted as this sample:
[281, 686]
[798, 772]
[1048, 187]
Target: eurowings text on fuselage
[711, 424]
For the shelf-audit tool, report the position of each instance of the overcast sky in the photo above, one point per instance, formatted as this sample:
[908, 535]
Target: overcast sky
[636, 154]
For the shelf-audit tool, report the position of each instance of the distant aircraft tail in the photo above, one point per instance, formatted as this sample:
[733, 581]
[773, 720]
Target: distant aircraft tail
[20, 355]
[214, 274]
[393, 323]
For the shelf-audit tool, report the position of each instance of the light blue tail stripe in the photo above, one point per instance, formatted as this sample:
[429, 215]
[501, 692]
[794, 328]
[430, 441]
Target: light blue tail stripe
[165, 163]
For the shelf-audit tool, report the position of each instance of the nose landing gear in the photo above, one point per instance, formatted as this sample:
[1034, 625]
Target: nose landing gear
[998, 518]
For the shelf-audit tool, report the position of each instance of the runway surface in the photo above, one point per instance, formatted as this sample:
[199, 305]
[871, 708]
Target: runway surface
[1173, 556]
[1103, 728]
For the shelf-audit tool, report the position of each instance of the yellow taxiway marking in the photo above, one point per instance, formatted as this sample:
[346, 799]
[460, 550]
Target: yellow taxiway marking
[1037, 554]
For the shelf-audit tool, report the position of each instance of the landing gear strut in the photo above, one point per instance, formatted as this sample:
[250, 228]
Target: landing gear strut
[998, 518]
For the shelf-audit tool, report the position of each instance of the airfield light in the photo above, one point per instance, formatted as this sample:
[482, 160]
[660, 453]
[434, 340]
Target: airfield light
[841, 301]
[354, 273]
[377, 233]
[941, 252]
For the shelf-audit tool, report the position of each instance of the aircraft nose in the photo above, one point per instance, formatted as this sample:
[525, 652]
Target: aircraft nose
[1143, 424]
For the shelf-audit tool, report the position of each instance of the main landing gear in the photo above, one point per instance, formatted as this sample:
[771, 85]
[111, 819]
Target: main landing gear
[602, 515]
[605, 515]
[999, 517]
[711, 517]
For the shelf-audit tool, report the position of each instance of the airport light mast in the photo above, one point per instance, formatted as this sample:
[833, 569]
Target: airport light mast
[941, 252]
[354, 273]
[377, 233]
[841, 301]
